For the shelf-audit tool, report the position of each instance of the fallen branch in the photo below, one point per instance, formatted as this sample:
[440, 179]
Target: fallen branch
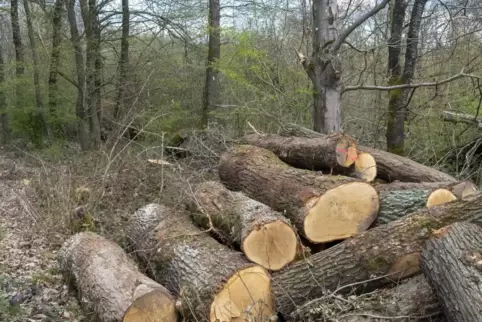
[453, 117]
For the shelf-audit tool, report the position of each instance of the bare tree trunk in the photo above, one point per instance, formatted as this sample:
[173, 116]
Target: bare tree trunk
[5, 131]
[89, 16]
[36, 74]
[324, 66]
[398, 98]
[79, 62]
[55, 60]
[17, 42]
[211, 89]
[123, 61]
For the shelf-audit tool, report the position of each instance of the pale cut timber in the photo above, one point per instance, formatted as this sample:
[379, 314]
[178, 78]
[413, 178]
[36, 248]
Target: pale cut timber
[398, 199]
[365, 167]
[309, 200]
[390, 167]
[335, 150]
[110, 284]
[263, 234]
[451, 260]
[440, 196]
[410, 300]
[367, 261]
[211, 280]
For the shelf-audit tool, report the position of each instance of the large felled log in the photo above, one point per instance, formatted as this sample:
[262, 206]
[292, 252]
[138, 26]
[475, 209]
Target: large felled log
[212, 281]
[452, 262]
[369, 260]
[390, 166]
[411, 300]
[336, 153]
[109, 284]
[323, 208]
[264, 235]
[401, 198]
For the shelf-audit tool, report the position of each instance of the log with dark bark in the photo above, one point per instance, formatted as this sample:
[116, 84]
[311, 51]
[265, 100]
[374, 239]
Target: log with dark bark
[452, 261]
[376, 257]
[323, 208]
[264, 235]
[212, 281]
[390, 167]
[411, 300]
[109, 284]
[398, 199]
[335, 153]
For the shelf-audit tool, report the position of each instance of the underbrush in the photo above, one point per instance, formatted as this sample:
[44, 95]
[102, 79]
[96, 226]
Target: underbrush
[69, 190]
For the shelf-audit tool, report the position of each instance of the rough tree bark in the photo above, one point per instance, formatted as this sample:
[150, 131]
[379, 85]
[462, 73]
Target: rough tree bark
[336, 153]
[324, 66]
[398, 98]
[55, 61]
[451, 260]
[411, 300]
[109, 284]
[123, 61]
[36, 74]
[402, 198]
[211, 87]
[390, 167]
[264, 235]
[80, 68]
[211, 280]
[322, 208]
[90, 17]
[5, 130]
[379, 256]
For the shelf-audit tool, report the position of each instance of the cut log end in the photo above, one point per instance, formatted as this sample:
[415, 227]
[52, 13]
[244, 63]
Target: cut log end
[464, 189]
[246, 296]
[440, 196]
[366, 167]
[153, 306]
[346, 152]
[342, 212]
[272, 246]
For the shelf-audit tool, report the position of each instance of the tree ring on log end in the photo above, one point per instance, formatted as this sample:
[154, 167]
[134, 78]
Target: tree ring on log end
[272, 246]
[342, 212]
[246, 296]
[440, 196]
[346, 152]
[365, 167]
[153, 306]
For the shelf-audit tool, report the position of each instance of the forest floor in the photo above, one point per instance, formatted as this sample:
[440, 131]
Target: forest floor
[31, 287]
[38, 194]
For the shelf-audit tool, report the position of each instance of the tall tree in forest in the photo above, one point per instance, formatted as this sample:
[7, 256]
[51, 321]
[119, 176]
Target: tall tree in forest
[5, 131]
[211, 87]
[79, 64]
[36, 75]
[324, 67]
[90, 17]
[398, 98]
[55, 60]
[19, 50]
[123, 61]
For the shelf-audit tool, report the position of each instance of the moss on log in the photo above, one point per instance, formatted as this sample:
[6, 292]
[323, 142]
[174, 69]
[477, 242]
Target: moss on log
[264, 235]
[212, 281]
[323, 208]
[399, 199]
[369, 260]
[452, 262]
[109, 285]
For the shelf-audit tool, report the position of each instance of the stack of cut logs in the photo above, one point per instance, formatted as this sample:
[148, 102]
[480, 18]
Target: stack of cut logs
[297, 219]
